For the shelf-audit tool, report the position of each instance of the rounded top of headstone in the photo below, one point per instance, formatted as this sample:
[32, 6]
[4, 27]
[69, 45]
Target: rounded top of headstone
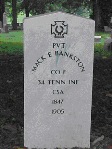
[58, 13]
[4, 13]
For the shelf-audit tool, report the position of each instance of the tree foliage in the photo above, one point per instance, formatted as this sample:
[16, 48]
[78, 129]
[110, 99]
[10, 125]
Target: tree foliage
[106, 12]
[102, 12]
[42, 6]
[99, 10]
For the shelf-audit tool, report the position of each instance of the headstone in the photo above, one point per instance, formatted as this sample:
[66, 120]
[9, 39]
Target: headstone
[4, 19]
[111, 33]
[6, 28]
[108, 44]
[107, 29]
[110, 23]
[58, 73]
[0, 24]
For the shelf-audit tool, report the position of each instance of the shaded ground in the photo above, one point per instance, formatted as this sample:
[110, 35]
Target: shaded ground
[12, 102]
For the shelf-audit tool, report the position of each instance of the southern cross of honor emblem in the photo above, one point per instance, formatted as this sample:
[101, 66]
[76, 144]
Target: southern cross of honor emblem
[59, 29]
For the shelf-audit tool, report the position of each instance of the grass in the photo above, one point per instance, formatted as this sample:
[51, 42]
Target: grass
[12, 43]
[13, 36]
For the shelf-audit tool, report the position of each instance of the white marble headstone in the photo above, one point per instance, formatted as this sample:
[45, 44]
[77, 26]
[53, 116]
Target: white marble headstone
[58, 74]
[4, 19]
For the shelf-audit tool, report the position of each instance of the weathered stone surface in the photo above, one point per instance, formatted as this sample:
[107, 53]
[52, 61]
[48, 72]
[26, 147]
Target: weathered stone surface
[58, 67]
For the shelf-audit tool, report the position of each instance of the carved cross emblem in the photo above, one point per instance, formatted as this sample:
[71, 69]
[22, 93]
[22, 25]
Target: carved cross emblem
[59, 29]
